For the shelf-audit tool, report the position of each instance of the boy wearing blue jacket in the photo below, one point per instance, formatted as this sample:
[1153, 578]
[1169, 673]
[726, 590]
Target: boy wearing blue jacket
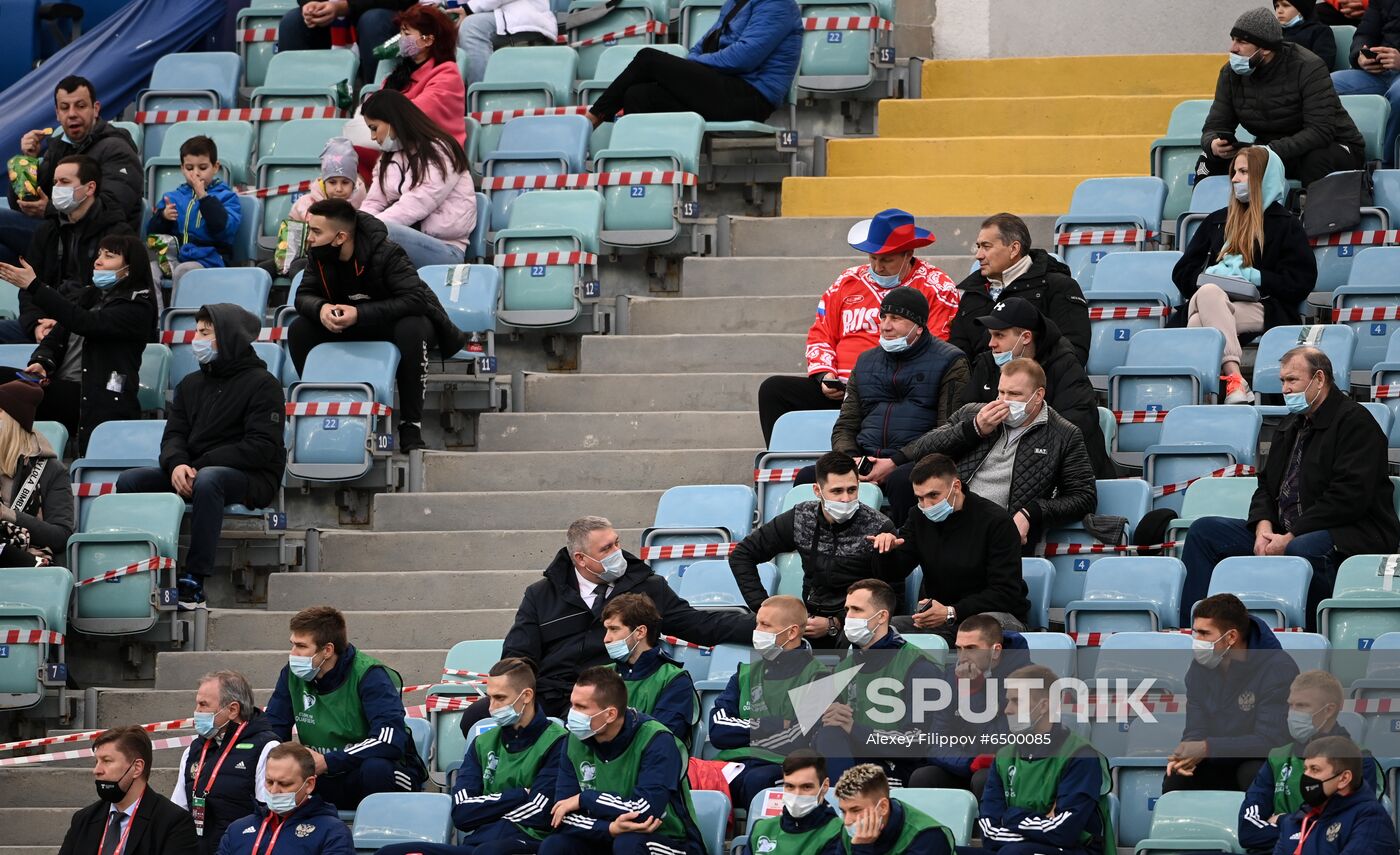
[295, 821]
[203, 212]
[1339, 813]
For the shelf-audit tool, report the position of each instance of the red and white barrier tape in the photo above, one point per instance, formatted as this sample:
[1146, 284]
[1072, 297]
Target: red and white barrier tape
[157, 563]
[448, 703]
[79, 753]
[775, 476]
[1376, 237]
[1139, 417]
[688, 550]
[1365, 706]
[247, 114]
[500, 117]
[153, 727]
[544, 259]
[1237, 470]
[1385, 391]
[408, 690]
[1096, 639]
[582, 180]
[338, 408]
[87, 491]
[1103, 237]
[681, 642]
[1099, 707]
[656, 27]
[279, 190]
[1366, 313]
[1124, 313]
[256, 34]
[1049, 549]
[460, 672]
[187, 336]
[810, 24]
[29, 636]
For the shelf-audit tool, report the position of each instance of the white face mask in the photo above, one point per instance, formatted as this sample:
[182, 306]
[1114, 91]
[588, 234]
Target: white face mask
[861, 631]
[1017, 416]
[841, 511]
[1014, 724]
[1208, 653]
[798, 805]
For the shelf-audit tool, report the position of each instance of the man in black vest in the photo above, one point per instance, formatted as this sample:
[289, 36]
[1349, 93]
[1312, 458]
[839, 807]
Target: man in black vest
[222, 772]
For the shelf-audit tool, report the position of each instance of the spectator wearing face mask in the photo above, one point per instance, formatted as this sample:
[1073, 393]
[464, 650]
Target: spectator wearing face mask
[129, 817]
[657, 685]
[808, 822]
[298, 817]
[427, 72]
[1338, 814]
[1300, 27]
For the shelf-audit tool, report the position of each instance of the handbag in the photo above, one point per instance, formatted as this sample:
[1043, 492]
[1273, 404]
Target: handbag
[1335, 201]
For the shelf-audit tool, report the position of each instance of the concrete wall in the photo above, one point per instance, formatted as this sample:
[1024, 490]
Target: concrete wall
[978, 29]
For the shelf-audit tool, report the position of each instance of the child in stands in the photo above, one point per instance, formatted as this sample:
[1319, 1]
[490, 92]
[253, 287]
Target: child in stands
[203, 212]
[1300, 26]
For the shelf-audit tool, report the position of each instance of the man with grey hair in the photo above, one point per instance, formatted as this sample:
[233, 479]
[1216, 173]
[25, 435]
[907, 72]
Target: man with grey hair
[559, 625]
[1323, 491]
[223, 772]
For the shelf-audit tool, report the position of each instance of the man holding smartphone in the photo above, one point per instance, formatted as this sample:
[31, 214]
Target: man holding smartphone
[1375, 67]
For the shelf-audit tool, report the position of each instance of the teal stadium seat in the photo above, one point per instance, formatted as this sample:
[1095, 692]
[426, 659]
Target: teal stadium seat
[478, 247]
[1128, 594]
[294, 157]
[233, 139]
[544, 221]
[1130, 498]
[138, 135]
[1335, 263]
[1137, 775]
[469, 293]
[9, 303]
[189, 81]
[422, 733]
[1342, 36]
[712, 818]
[1208, 196]
[1365, 604]
[647, 215]
[113, 448]
[1039, 576]
[841, 60]
[260, 14]
[383, 819]
[341, 448]
[1111, 203]
[1054, 650]
[697, 18]
[1133, 280]
[1212, 497]
[448, 743]
[1193, 821]
[1386, 372]
[1372, 282]
[246, 287]
[798, 439]
[699, 513]
[627, 13]
[1310, 650]
[1273, 587]
[56, 435]
[1164, 369]
[305, 78]
[120, 530]
[711, 585]
[155, 378]
[521, 78]
[610, 64]
[1196, 441]
[1174, 155]
[35, 600]
[955, 809]
[1370, 113]
[1338, 341]
[535, 145]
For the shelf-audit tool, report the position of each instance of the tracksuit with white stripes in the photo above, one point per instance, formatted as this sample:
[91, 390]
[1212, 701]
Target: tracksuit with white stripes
[1026, 811]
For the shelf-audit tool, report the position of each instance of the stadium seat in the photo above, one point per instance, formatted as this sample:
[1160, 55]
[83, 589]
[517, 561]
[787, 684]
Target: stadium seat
[535, 145]
[478, 248]
[695, 660]
[1039, 575]
[16, 355]
[765, 805]
[1130, 498]
[260, 14]
[698, 513]
[138, 135]
[519, 78]
[1386, 193]
[1208, 196]
[246, 287]
[1137, 657]
[155, 378]
[1212, 497]
[289, 157]
[9, 303]
[1380, 413]
[233, 139]
[1382, 667]
[711, 585]
[1369, 112]
[35, 600]
[341, 448]
[189, 81]
[712, 817]
[383, 819]
[1334, 263]
[449, 745]
[1336, 340]
[472, 655]
[422, 732]
[928, 642]
[121, 530]
[842, 60]
[1193, 821]
[1273, 587]
[245, 241]
[1310, 650]
[1134, 281]
[639, 215]
[1054, 650]
[1196, 442]
[1373, 282]
[954, 809]
[55, 433]
[548, 221]
[1382, 739]
[272, 355]
[1174, 156]
[1342, 35]
[621, 15]
[1137, 775]
[1385, 377]
[469, 293]
[112, 448]
[1164, 369]
[611, 63]
[1128, 594]
[697, 17]
[1364, 605]
[1111, 203]
[799, 438]
[724, 663]
[305, 78]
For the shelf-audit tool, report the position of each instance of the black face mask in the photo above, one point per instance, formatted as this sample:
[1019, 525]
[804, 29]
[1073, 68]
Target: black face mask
[1311, 789]
[112, 791]
[324, 253]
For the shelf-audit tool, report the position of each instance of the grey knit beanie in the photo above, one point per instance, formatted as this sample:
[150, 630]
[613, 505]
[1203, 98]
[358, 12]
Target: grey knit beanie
[338, 159]
[1258, 27]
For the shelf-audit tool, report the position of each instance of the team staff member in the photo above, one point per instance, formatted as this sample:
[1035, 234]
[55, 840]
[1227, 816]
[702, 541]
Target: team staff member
[129, 818]
[657, 685]
[1339, 815]
[808, 823]
[293, 806]
[879, 825]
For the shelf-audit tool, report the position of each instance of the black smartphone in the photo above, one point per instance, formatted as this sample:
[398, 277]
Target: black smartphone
[867, 465]
[1229, 138]
[923, 607]
[835, 384]
[1368, 53]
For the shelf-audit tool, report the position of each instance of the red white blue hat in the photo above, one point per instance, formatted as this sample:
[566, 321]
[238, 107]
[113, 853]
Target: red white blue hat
[891, 230]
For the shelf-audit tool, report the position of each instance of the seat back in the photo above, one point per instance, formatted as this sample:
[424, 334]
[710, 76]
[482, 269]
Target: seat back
[611, 62]
[472, 655]
[1341, 36]
[256, 55]
[383, 819]
[1129, 594]
[1054, 650]
[1197, 441]
[954, 809]
[1273, 588]
[711, 585]
[56, 434]
[338, 448]
[1310, 650]
[190, 81]
[469, 293]
[837, 60]
[305, 78]
[1131, 280]
[712, 818]
[35, 599]
[155, 378]
[1104, 203]
[536, 145]
[1162, 657]
[120, 530]
[799, 438]
[1206, 815]
[303, 138]
[628, 13]
[1039, 576]
[233, 139]
[272, 355]
[520, 78]
[1174, 156]
[548, 221]
[1372, 282]
[1338, 341]
[1208, 196]
[112, 448]
[1165, 369]
[1370, 113]
[246, 287]
[1334, 263]
[646, 215]
[725, 509]
[1130, 498]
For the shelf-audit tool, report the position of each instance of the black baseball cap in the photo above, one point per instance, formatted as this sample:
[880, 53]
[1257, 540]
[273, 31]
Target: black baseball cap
[1012, 312]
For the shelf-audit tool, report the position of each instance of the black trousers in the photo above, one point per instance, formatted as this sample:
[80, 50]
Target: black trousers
[412, 335]
[657, 82]
[1224, 773]
[785, 394]
[1306, 167]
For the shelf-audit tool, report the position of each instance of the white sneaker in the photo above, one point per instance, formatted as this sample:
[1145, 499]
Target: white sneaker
[1237, 390]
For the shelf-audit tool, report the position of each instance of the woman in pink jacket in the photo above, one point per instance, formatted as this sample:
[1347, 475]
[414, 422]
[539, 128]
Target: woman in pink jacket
[427, 72]
[422, 190]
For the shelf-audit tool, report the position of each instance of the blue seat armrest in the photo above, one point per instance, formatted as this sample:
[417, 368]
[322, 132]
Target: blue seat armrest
[113, 537]
[708, 685]
[1381, 368]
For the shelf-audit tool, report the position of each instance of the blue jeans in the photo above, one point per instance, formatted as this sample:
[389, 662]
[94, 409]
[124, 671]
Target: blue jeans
[475, 35]
[1211, 539]
[423, 250]
[16, 232]
[1354, 81]
[214, 487]
[12, 333]
[372, 29]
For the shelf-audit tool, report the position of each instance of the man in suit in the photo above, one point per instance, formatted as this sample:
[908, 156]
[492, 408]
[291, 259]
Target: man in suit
[129, 818]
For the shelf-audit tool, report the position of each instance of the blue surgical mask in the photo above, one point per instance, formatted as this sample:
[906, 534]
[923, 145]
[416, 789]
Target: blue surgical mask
[303, 667]
[886, 281]
[104, 279]
[619, 650]
[895, 345]
[938, 512]
[580, 725]
[1297, 402]
[508, 714]
[1301, 726]
[1241, 65]
[1297, 19]
[284, 803]
[614, 565]
[1002, 358]
[390, 145]
[1241, 191]
[203, 350]
[206, 724]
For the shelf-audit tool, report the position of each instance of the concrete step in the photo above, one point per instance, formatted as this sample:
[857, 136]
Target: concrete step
[125, 706]
[40, 826]
[182, 670]
[430, 595]
[35, 786]
[411, 626]
[677, 354]
[689, 463]
[1148, 74]
[943, 195]
[677, 315]
[403, 512]
[761, 277]
[1067, 115]
[726, 391]
[380, 551]
[989, 155]
[802, 234]
[583, 431]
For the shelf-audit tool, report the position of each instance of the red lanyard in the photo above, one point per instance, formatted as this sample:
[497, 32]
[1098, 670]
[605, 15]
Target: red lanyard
[126, 829]
[1306, 829]
[273, 843]
[209, 786]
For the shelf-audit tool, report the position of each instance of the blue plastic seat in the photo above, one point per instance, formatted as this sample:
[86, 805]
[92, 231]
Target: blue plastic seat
[519, 78]
[697, 17]
[234, 141]
[1128, 594]
[113, 448]
[724, 663]
[798, 439]
[1164, 369]
[1212, 497]
[1187, 820]
[1341, 36]
[1039, 576]
[1131, 280]
[1273, 587]
[469, 293]
[1174, 155]
[700, 513]
[535, 145]
[695, 660]
[711, 585]
[956, 810]
[1338, 341]
[1111, 203]
[137, 134]
[1197, 441]
[841, 60]
[1370, 113]
[422, 733]
[1384, 373]
[1365, 604]
[260, 14]
[766, 804]
[1130, 498]
[1137, 775]
[1208, 196]
[246, 287]
[341, 448]
[1054, 650]
[155, 378]
[712, 818]
[383, 819]
[1310, 650]
[305, 78]
[35, 599]
[628, 13]
[1386, 192]
[55, 433]
[449, 744]
[189, 81]
[545, 221]
[1162, 657]
[1373, 282]
[272, 355]
[117, 531]
[640, 215]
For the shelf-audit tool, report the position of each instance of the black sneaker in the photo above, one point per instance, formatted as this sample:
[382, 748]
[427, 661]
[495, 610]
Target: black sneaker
[191, 592]
[410, 438]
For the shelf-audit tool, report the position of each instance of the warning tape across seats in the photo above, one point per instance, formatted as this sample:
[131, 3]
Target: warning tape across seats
[1139, 417]
[1235, 471]
[247, 114]
[688, 550]
[583, 180]
[1127, 313]
[1102, 237]
[338, 408]
[145, 566]
[88, 491]
[279, 190]
[543, 259]
[653, 27]
[1366, 313]
[1375, 237]
[500, 117]
[839, 23]
[187, 336]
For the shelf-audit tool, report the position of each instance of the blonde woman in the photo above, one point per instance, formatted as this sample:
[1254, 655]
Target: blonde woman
[1254, 238]
[36, 501]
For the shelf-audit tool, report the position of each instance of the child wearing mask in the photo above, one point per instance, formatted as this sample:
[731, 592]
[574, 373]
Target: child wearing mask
[1301, 27]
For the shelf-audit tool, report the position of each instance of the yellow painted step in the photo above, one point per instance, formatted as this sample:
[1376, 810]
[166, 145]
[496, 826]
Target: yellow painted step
[946, 195]
[1152, 74]
[1120, 155]
[1068, 115]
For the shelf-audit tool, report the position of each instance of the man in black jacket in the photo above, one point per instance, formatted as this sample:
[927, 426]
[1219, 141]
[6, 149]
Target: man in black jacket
[1283, 95]
[128, 810]
[1323, 491]
[831, 535]
[1378, 70]
[1017, 329]
[1019, 453]
[360, 286]
[1007, 266]
[559, 625]
[223, 442]
[84, 132]
[65, 245]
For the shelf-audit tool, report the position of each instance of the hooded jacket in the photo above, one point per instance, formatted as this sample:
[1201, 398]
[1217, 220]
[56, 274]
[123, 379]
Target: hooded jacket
[123, 176]
[48, 515]
[1067, 390]
[1314, 36]
[1242, 709]
[316, 829]
[1288, 103]
[441, 205]
[1047, 285]
[761, 45]
[557, 631]
[1357, 823]
[1286, 266]
[62, 254]
[892, 398]
[386, 289]
[229, 412]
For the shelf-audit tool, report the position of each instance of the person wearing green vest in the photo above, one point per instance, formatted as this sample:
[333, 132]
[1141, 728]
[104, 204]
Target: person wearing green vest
[808, 824]
[1337, 816]
[1314, 700]
[879, 825]
[657, 685]
[347, 708]
[623, 785]
[1048, 792]
[753, 721]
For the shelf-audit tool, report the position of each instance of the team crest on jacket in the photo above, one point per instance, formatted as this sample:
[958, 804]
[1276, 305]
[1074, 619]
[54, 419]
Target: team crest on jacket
[586, 773]
[492, 761]
[308, 700]
[1332, 831]
[1246, 701]
[305, 829]
[765, 845]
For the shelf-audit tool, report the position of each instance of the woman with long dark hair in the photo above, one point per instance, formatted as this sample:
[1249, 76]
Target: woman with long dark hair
[422, 190]
[427, 71]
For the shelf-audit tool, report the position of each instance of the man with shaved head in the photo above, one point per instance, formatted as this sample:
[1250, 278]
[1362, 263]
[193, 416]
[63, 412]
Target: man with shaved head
[1323, 491]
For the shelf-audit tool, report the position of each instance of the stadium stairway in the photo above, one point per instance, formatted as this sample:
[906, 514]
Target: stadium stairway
[1006, 134]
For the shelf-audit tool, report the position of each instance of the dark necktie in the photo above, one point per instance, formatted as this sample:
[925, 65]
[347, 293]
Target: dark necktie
[600, 596]
[1290, 497]
[113, 837]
